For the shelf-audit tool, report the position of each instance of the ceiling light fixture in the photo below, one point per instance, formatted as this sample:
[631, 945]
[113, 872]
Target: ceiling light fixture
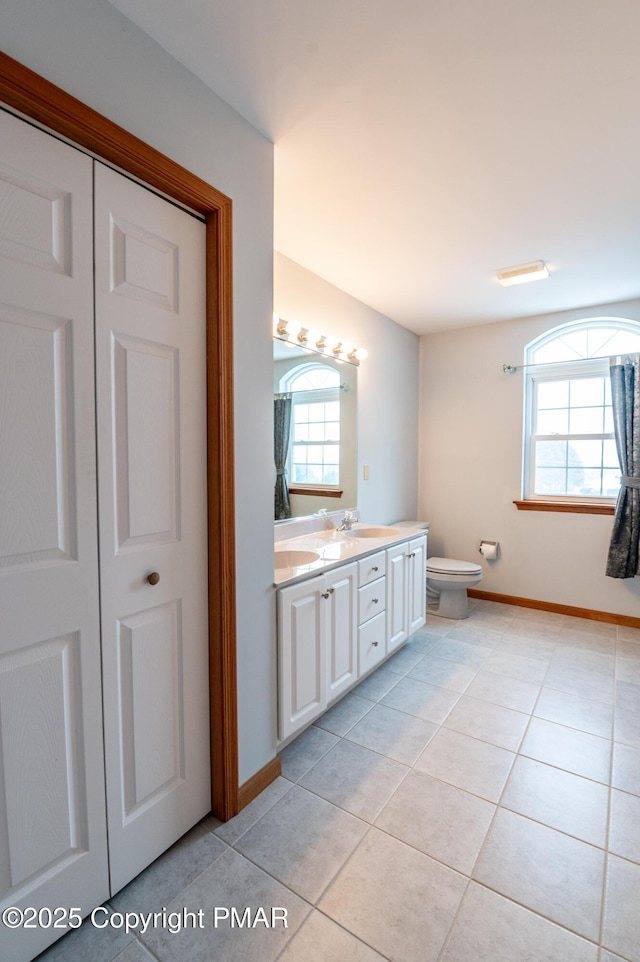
[521, 273]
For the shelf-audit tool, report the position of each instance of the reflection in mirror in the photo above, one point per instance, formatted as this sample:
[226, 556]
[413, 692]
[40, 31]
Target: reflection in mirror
[315, 432]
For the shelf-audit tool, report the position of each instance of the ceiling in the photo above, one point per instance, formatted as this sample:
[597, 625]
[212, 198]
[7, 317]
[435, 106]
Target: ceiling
[422, 144]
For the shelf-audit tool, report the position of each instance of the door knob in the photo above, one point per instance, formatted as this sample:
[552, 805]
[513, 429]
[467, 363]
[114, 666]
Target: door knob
[153, 578]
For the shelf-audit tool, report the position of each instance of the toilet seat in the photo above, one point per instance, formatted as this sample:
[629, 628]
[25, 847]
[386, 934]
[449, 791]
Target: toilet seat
[453, 568]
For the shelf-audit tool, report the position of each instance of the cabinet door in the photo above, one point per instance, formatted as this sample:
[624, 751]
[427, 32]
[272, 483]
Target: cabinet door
[397, 629]
[150, 374]
[342, 649]
[52, 811]
[302, 671]
[416, 583]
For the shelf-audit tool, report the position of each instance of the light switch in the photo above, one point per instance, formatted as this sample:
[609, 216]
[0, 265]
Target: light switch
[365, 472]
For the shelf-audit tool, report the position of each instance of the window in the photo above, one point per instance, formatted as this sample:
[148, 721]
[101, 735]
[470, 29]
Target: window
[314, 447]
[570, 452]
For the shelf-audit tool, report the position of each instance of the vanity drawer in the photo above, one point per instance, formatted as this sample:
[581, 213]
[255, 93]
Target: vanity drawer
[371, 600]
[371, 568]
[371, 643]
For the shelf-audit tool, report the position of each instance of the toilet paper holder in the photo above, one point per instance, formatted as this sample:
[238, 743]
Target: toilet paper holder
[489, 549]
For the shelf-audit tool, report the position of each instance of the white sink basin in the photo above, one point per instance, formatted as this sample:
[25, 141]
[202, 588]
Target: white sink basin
[294, 559]
[373, 532]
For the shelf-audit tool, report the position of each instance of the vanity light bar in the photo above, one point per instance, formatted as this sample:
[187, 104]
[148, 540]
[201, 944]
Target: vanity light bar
[311, 340]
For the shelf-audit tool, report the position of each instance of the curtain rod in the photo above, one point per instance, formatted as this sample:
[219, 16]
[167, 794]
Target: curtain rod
[312, 390]
[513, 368]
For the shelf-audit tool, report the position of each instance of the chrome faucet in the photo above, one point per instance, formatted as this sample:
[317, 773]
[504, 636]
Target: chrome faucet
[346, 523]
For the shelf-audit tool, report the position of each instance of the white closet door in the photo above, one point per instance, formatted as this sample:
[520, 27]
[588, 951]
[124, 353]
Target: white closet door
[150, 374]
[52, 808]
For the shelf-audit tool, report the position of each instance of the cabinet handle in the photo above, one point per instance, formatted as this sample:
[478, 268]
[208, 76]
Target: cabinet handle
[375, 568]
[325, 594]
[331, 590]
[412, 555]
[375, 601]
[375, 644]
[153, 578]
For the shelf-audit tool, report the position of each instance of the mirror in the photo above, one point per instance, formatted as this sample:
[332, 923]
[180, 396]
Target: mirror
[321, 467]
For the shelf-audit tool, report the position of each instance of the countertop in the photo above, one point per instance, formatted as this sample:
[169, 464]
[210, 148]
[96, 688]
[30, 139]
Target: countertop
[336, 548]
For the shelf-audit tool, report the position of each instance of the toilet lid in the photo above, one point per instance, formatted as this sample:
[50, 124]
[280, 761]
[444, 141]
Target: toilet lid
[449, 566]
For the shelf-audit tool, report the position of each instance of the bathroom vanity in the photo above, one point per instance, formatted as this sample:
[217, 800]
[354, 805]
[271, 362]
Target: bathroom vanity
[352, 600]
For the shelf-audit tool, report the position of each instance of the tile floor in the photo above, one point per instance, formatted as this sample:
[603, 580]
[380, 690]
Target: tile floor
[477, 799]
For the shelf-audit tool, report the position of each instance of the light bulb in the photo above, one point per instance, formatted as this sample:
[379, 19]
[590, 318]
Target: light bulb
[362, 354]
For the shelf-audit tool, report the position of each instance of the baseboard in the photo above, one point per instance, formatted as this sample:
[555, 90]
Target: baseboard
[608, 616]
[258, 782]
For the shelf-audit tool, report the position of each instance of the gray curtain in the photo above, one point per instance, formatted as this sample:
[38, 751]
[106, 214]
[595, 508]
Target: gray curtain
[624, 550]
[281, 429]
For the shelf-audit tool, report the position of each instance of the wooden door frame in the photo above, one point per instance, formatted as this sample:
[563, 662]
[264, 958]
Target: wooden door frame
[37, 98]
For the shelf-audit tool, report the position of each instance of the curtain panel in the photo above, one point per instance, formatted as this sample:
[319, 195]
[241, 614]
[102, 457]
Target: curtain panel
[624, 550]
[281, 430]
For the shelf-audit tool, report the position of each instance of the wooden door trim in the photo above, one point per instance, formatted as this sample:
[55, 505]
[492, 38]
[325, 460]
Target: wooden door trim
[37, 98]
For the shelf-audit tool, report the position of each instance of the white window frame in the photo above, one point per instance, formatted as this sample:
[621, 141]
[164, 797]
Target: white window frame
[319, 395]
[536, 373]
[595, 367]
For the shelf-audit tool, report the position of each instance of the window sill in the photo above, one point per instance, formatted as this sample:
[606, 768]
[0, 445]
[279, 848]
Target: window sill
[317, 492]
[571, 507]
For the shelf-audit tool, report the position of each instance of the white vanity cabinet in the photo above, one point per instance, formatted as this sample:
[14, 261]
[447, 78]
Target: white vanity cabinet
[372, 618]
[406, 590]
[334, 628]
[317, 645]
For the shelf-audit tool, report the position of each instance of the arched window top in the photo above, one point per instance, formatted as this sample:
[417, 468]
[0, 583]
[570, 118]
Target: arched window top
[310, 377]
[581, 340]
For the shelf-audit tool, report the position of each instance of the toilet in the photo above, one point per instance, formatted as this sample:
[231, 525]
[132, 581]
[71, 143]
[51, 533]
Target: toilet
[447, 583]
[447, 580]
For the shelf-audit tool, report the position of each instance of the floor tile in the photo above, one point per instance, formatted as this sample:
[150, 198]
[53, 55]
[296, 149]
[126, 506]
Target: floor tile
[629, 634]
[544, 870]
[500, 690]
[570, 803]
[302, 841]
[626, 768]
[490, 928]
[460, 651]
[467, 763]
[237, 826]
[320, 940]
[627, 666]
[231, 882]
[356, 779]
[624, 830]
[628, 696]
[344, 714]
[621, 932]
[378, 684]
[88, 942]
[528, 646]
[626, 726]
[576, 680]
[441, 626]
[397, 900]
[302, 753]
[491, 723]
[406, 659]
[567, 748]
[419, 698]
[165, 878]
[438, 819]
[522, 667]
[443, 673]
[595, 717]
[474, 634]
[392, 733]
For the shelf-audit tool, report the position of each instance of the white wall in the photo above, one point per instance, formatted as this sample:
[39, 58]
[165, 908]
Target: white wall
[471, 417]
[387, 386]
[93, 52]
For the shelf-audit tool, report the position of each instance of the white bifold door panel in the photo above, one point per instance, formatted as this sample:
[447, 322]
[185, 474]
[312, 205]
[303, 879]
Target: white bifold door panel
[81, 624]
[53, 841]
[150, 376]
